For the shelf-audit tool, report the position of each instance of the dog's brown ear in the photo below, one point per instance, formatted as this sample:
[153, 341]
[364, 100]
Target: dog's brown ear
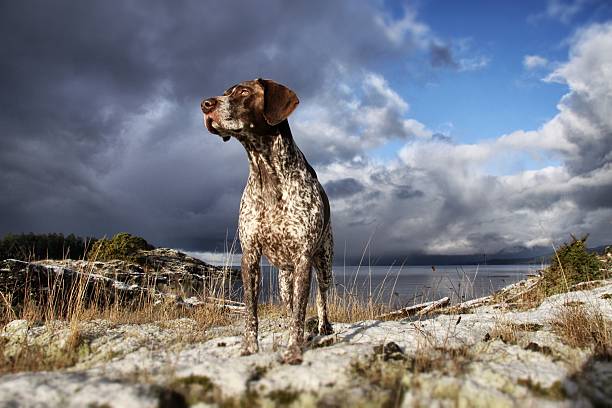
[279, 101]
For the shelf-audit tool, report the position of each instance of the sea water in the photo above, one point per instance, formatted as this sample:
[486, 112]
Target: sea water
[400, 286]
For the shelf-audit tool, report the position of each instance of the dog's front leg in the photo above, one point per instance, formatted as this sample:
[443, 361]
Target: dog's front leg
[251, 275]
[301, 289]
[286, 290]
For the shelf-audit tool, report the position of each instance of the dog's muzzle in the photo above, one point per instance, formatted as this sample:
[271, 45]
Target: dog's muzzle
[208, 106]
[208, 121]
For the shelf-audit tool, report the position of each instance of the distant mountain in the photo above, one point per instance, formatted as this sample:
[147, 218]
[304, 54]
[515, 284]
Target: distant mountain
[512, 255]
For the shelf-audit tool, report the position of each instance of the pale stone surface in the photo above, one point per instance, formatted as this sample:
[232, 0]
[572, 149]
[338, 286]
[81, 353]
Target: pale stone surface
[126, 365]
[73, 390]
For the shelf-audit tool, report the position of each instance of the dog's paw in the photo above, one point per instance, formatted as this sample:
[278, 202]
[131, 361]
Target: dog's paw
[326, 329]
[293, 355]
[249, 348]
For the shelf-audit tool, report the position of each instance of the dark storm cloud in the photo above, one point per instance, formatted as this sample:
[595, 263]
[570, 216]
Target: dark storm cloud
[343, 188]
[593, 152]
[100, 129]
[593, 197]
[396, 180]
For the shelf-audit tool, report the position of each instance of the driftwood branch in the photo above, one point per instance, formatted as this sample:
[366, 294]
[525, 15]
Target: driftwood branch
[230, 305]
[224, 301]
[529, 286]
[468, 304]
[435, 305]
[415, 310]
[232, 308]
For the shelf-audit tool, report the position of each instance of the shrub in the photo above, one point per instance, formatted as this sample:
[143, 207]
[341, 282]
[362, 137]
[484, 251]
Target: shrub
[572, 263]
[122, 246]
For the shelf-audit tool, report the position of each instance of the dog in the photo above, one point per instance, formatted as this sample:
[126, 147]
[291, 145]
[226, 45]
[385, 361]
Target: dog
[284, 211]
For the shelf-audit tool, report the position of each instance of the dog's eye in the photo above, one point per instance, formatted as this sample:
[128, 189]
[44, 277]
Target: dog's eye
[245, 92]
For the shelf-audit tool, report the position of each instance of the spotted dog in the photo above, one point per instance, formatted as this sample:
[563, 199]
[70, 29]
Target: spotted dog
[284, 211]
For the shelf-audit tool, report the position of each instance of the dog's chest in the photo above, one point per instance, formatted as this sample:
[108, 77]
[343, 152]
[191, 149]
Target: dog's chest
[285, 217]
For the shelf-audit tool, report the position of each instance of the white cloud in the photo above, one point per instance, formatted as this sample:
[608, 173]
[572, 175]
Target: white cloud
[408, 26]
[376, 85]
[534, 62]
[356, 112]
[564, 11]
[585, 117]
[560, 10]
[444, 197]
[474, 63]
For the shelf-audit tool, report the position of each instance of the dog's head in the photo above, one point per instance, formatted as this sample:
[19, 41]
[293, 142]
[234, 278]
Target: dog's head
[249, 108]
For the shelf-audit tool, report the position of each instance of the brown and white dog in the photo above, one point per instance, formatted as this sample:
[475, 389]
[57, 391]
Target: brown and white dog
[284, 211]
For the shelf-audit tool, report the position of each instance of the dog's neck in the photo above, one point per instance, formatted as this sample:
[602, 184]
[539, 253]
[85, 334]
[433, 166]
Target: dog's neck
[272, 159]
[273, 154]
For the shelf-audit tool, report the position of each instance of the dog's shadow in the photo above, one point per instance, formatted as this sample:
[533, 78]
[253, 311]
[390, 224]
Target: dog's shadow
[348, 334]
[345, 335]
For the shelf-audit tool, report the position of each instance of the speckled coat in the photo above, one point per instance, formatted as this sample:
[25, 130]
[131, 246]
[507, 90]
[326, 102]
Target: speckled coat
[284, 211]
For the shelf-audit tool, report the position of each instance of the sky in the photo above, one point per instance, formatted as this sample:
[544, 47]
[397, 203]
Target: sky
[436, 127]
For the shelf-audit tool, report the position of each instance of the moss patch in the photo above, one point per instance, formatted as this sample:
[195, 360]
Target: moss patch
[538, 349]
[574, 303]
[195, 388]
[384, 378]
[555, 392]
[258, 373]
[283, 397]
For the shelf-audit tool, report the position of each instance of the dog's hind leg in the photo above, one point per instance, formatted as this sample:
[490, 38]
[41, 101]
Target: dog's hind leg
[323, 264]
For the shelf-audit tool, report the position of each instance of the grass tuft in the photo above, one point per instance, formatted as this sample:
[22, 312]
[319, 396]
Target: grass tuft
[583, 326]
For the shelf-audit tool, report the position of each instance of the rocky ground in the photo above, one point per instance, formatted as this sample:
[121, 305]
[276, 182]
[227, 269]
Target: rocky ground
[489, 355]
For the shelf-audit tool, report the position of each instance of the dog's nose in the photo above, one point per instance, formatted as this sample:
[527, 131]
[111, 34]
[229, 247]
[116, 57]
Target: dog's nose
[208, 105]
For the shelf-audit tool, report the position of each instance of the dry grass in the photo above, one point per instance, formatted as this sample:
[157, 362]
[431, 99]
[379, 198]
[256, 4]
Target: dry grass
[351, 307]
[510, 332]
[82, 299]
[349, 300]
[86, 299]
[506, 332]
[452, 361]
[525, 300]
[340, 309]
[583, 326]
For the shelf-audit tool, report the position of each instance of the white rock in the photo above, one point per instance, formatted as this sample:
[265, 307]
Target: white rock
[124, 359]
